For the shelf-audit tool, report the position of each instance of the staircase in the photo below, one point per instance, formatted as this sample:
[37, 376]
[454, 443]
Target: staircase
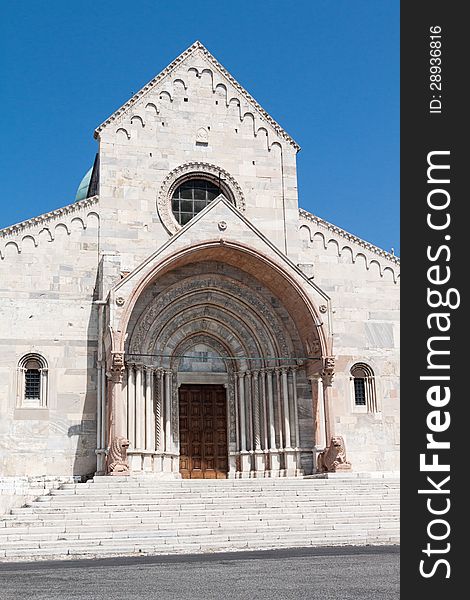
[128, 516]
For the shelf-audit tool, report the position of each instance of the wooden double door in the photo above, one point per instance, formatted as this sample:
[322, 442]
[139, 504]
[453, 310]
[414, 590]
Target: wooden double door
[203, 431]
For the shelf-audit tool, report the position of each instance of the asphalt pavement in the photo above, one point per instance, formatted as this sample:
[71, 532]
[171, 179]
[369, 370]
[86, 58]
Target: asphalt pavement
[365, 573]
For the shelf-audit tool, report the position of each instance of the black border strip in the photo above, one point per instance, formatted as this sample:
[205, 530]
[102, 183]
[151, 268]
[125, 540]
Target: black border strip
[433, 120]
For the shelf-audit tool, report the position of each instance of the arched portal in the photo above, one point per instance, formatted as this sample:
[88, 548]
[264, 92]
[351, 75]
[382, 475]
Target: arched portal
[218, 328]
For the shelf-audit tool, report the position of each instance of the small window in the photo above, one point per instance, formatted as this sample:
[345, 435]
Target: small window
[32, 388]
[32, 382]
[360, 391]
[363, 388]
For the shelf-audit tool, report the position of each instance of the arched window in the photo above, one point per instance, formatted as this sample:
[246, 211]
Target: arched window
[32, 382]
[363, 388]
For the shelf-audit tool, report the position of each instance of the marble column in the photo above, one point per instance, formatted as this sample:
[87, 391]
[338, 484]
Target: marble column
[168, 459]
[131, 406]
[139, 408]
[259, 456]
[118, 425]
[245, 463]
[274, 458]
[149, 419]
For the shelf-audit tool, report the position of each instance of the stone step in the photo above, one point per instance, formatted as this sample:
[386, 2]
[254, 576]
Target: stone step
[181, 491]
[178, 545]
[199, 533]
[119, 516]
[146, 498]
[269, 520]
[186, 495]
[157, 516]
[129, 530]
[198, 509]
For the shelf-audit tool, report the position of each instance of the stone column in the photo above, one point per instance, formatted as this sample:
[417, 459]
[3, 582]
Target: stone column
[319, 412]
[131, 405]
[327, 379]
[159, 424]
[158, 412]
[289, 453]
[116, 464]
[149, 420]
[98, 410]
[104, 407]
[244, 454]
[174, 426]
[295, 412]
[264, 413]
[296, 408]
[249, 409]
[285, 397]
[259, 465]
[43, 393]
[279, 406]
[274, 459]
[168, 458]
[234, 447]
[101, 422]
[139, 408]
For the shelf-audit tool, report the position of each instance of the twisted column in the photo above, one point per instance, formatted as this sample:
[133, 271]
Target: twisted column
[241, 397]
[149, 415]
[256, 411]
[158, 411]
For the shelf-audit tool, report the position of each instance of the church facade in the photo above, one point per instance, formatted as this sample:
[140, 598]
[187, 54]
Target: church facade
[184, 317]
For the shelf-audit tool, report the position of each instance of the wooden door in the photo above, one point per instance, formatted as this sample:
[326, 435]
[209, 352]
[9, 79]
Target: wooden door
[203, 431]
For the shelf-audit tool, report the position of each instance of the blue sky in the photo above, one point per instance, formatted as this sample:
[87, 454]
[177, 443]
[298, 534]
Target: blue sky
[327, 71]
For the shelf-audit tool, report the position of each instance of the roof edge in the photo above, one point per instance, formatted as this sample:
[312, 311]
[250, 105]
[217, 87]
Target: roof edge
[348, 236]
[197, 45]
[53, 214]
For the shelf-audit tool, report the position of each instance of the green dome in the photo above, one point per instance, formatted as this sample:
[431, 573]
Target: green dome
[82, 191]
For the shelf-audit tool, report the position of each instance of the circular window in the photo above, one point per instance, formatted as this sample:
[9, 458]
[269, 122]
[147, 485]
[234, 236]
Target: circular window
[191, 196]
[189, 188]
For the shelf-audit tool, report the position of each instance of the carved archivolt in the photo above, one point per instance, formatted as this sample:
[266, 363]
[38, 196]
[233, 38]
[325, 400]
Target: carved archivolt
[217, 175]
[182, 295]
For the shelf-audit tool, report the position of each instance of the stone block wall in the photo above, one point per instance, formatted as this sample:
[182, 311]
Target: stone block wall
[363, 284]
[48, 278]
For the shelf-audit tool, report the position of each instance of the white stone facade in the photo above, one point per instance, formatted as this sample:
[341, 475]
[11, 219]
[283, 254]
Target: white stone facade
[110, 293]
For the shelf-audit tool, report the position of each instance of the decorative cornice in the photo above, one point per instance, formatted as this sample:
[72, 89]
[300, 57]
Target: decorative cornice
[50, 216]
[348, 236]
[197, 46]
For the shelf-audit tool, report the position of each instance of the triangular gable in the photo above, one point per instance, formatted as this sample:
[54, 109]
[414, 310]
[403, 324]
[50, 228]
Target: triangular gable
[208, 224]
[160, 78]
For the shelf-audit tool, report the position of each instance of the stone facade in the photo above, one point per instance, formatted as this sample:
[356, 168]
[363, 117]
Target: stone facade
[112, 305]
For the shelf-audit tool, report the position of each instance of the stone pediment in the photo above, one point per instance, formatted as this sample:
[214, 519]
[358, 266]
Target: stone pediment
[220, 223]
[198, 60]
[220, 233]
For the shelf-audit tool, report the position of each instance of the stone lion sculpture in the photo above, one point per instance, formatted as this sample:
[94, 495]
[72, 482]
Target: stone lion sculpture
[117, 457]
[333, 458]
